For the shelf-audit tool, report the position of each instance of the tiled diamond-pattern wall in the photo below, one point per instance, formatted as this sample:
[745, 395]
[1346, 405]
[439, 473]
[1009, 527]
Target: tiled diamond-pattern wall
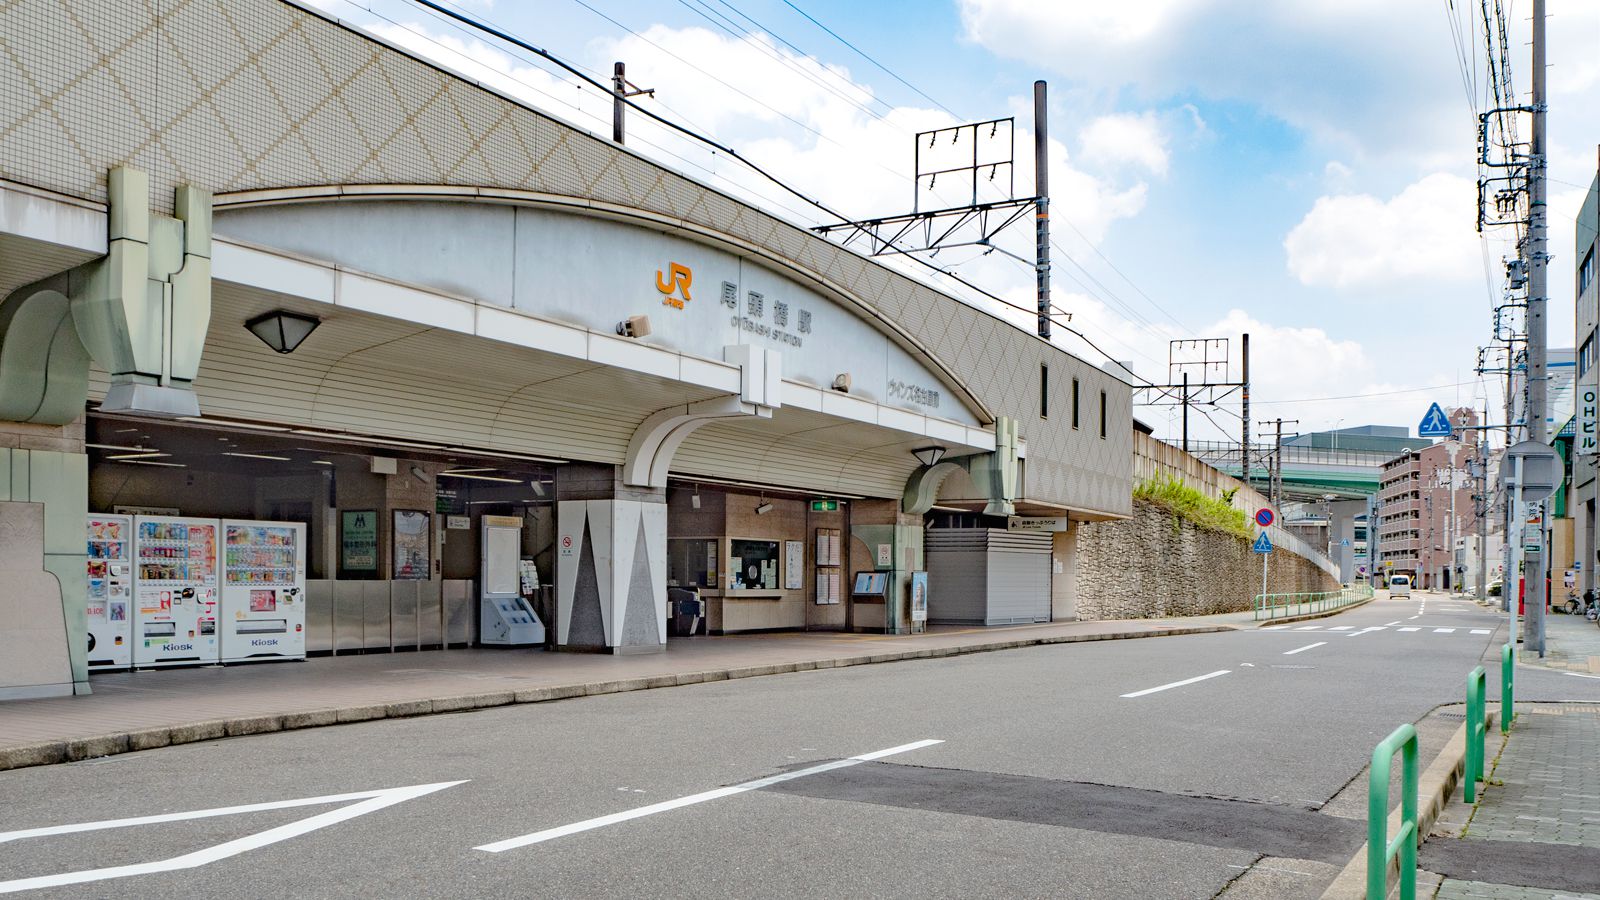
[246, 94]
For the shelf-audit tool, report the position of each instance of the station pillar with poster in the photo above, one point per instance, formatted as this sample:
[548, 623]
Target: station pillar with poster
[506, 618]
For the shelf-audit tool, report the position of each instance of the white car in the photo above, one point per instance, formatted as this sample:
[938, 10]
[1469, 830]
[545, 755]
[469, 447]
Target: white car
[1400, 586]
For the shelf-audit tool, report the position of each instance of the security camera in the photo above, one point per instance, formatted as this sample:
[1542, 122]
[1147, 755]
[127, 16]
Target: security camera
[841, 382]
[634, 326]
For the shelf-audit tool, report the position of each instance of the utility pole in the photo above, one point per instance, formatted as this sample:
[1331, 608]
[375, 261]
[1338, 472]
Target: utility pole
[1452, 526]
[1482, 508]
[621, 90]
[1244, 413]
[1538, 289]
[1041, 216]
[1275, 463]
[1185, 402]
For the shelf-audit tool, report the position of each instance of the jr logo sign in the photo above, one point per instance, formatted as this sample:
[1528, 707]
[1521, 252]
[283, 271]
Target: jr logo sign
[674, 285]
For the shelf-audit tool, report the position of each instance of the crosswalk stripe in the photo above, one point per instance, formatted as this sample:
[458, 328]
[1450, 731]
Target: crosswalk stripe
[1444, 631]
[1308, 628]
[1341, 628]
[1413, 628]
[1482, 631]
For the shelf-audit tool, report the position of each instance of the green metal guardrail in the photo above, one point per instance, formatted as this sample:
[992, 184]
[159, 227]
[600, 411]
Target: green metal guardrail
[1508, 666]
[1379, 848]
[1284, 606]
[1477, 728]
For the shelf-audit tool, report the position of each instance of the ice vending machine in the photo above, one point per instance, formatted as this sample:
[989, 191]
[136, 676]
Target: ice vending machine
[263, 591]
[110, 546]
[175, 591]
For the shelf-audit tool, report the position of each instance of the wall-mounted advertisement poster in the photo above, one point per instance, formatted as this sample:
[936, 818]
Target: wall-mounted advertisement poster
[412, 561]
[358, 540]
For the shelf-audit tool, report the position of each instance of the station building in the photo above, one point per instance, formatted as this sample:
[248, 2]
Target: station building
[258, 263]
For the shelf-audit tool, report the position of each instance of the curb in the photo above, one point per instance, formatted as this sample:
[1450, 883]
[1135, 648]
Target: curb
[1316, 615]
[48, 753]
[1434, 789]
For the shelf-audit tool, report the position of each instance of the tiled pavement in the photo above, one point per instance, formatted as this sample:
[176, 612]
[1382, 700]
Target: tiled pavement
[178, 705]
[1474, 890]
[1571, 643]
[1538, 821]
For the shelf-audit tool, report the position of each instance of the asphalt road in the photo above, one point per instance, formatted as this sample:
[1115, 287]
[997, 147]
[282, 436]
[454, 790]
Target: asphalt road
[1047, 780]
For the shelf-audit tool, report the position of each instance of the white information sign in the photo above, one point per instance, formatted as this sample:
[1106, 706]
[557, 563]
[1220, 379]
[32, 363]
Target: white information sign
[794, 561]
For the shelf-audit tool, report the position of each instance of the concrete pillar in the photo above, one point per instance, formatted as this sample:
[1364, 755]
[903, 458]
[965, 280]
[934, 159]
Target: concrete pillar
[611, 562]
[1342, 536]
[1064, 574]
[57, 480]
[888, 540]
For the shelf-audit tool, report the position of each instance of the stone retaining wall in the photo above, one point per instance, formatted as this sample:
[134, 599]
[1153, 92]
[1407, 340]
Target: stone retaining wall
[1156, 565]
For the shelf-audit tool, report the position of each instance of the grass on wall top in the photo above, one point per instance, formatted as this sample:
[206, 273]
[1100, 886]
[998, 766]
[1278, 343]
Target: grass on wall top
[1173, 494]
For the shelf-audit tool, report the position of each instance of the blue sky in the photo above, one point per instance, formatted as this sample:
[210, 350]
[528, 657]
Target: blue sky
[1303, 171]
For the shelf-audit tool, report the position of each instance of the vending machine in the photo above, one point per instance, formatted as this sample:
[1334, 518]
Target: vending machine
[175, 591]
[110, 546]
[263, 591]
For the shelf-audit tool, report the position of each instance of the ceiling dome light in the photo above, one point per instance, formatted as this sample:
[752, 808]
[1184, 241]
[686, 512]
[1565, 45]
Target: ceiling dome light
[282, 330]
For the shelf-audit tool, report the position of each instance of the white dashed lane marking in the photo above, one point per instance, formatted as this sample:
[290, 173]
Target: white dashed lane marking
[1303, 649]
[1350, 631]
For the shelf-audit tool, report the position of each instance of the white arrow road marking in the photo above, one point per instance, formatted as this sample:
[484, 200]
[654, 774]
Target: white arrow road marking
[1303, 649]
[371, 801]
[1174, 684]
[669, 805]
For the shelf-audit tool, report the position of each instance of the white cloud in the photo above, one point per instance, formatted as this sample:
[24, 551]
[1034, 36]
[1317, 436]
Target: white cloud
[1425, 231]
[1123, 139]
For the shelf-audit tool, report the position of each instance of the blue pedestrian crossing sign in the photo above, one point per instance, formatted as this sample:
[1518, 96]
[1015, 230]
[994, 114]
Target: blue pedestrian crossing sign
[1262, 544]
[1434, 424]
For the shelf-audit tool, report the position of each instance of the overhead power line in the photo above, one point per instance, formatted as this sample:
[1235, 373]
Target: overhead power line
[1436, 387]
[868, 57]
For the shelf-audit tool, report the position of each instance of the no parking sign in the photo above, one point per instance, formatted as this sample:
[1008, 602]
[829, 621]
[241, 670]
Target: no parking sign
[1264, 517]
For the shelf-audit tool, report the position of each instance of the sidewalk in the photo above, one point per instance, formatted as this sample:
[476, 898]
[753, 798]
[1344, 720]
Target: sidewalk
[1535, 832]
[1571, 643]
[142, 710]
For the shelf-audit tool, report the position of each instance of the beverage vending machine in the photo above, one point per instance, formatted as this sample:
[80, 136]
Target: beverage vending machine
[263, 590]
[110, 546]
[175, 591]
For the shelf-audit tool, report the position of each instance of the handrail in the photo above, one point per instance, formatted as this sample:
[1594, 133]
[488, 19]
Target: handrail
[1379, 848]
[1477, 728]
[1273, 606]
[1508, 665]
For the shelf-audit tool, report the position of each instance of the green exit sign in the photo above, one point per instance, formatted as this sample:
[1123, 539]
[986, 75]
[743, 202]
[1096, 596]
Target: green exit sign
[824, 506]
